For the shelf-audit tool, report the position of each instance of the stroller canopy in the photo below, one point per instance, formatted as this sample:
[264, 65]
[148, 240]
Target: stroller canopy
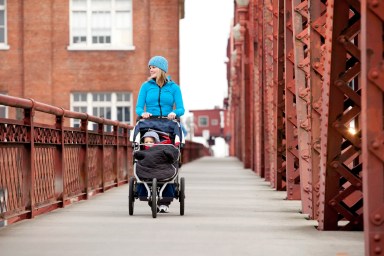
[161, 124]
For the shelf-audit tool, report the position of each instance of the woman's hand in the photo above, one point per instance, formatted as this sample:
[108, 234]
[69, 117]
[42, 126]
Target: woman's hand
[146, 115]
[171, 116]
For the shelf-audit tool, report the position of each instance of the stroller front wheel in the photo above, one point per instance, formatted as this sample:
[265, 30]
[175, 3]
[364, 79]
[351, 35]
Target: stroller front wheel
[154, 198]
[131, 195]
[182, 195]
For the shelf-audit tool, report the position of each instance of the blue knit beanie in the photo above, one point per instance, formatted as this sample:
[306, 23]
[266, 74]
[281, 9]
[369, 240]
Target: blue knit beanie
[152, 134]
[160, 62]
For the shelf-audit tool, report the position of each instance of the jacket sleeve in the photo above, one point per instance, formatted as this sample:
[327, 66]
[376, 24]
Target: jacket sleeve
[179, 110]
[141, 100]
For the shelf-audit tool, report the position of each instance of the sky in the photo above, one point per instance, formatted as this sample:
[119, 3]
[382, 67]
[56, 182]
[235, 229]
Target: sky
[204, 33]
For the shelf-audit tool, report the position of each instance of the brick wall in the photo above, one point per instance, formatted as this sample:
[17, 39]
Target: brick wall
[39, 66]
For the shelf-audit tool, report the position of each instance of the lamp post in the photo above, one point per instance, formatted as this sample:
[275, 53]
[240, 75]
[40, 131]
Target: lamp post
[242, 9]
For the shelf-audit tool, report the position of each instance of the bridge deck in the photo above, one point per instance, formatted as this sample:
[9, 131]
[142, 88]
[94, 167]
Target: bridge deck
[229, 211]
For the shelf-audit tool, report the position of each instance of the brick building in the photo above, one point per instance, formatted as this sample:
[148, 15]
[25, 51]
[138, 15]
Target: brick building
[85, 55]
[208, 122]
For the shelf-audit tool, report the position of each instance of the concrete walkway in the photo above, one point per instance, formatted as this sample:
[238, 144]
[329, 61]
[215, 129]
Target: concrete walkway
[229, 211]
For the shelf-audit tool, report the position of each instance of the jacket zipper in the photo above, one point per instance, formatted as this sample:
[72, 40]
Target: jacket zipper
[161, 112]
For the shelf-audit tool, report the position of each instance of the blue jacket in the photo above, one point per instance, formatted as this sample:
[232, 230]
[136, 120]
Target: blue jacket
[158, 100]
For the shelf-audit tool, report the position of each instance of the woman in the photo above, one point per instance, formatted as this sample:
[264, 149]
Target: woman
[160, 96]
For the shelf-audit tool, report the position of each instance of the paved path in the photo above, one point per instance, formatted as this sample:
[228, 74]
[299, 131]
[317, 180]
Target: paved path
[229, 211]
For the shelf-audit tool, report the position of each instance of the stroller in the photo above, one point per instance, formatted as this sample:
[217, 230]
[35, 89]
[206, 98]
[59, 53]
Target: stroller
[156, 167]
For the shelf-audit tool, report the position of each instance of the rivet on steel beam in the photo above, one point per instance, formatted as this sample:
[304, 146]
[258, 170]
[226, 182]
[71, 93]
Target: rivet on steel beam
[374, 3]
[335, 164]
[333, 202]
[378, 250]
[339, 82]
[377, 217]
[375, 144]
[374, 74]
[358, 184]
[377, 237]
[341, 39]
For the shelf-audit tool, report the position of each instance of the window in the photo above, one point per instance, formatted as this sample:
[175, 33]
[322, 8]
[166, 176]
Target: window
[214, 122]
[3, 109]
[3, 25]
[203, 121]
[109, 105]
[101, 25]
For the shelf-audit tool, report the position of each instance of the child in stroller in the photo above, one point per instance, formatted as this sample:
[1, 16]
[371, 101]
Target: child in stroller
[156, 166]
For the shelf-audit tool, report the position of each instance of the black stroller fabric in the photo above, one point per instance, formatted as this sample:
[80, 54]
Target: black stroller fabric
[159, 161]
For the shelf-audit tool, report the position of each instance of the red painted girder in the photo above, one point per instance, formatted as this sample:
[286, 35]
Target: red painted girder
[340, 194]
[372, 109]
[280, 181]
[300, 28]
[316, 55]
[269, 104]
[292, 162]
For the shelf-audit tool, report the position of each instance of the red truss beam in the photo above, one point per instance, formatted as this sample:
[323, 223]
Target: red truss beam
[372, 121]
[269, 104]
[302, 92]
[317, 12]
[259, 78]
[278, 47]
[292, 161]
[341, 200]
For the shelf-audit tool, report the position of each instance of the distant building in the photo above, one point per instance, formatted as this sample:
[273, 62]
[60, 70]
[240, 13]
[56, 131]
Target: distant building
[208, 123]
[85, 55]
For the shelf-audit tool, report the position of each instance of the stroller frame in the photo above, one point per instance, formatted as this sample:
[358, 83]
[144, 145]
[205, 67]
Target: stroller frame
[155, 187]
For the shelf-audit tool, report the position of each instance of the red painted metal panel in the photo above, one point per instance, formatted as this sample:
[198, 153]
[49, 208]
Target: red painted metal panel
[269, 104]
[341, 172]
[292, 161]
[317, 11]
[302, 91]
[259, 78]
[372, 125]
[279, 58]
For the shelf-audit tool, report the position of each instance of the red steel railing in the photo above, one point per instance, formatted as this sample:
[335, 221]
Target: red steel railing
[47, 166]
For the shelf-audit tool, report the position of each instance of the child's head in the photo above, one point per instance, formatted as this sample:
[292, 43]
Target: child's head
[150, 138]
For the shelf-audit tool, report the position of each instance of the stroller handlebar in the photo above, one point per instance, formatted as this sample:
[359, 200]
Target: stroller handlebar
[158, 117]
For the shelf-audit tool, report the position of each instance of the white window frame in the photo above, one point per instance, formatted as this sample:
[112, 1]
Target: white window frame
[89, 45]
[4, 107]
[89, 103]
[4, 45]
[199, 121]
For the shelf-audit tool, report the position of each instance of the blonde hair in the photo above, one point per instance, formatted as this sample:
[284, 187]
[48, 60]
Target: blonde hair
[161, 77]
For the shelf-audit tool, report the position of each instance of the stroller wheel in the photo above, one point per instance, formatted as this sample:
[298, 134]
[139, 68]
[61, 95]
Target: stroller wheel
[131, 195]
[154, 198]
[182, 195]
